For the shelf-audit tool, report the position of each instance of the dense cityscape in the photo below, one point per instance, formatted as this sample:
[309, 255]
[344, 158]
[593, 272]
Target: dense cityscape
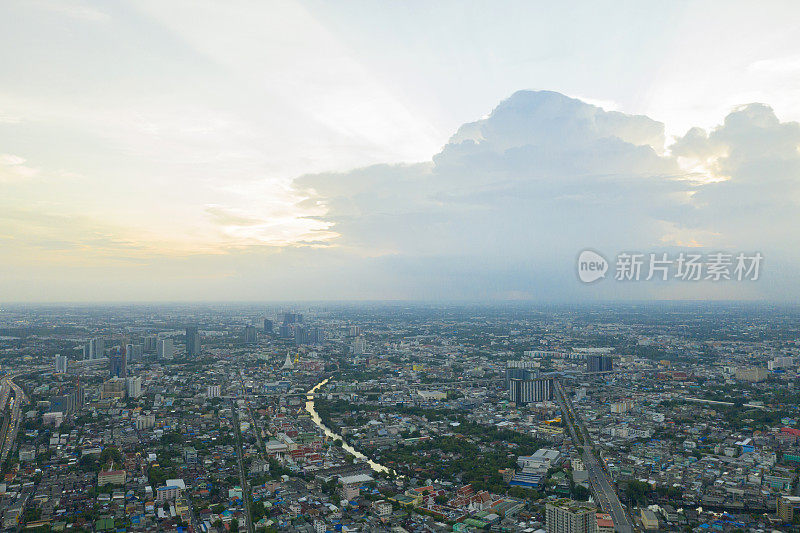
[400, 417]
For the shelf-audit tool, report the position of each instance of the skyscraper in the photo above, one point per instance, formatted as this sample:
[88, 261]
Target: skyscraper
[267, 326]
[61, 364]
[192, 341]
[165, 349]
[599, 363]
[250, 334]
[94, 349]
[118, 366]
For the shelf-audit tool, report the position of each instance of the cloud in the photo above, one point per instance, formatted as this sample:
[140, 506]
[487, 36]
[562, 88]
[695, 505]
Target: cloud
[510, 200]
[13, 168]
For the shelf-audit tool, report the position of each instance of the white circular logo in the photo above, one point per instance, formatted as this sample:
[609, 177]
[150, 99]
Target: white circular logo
[591, 266]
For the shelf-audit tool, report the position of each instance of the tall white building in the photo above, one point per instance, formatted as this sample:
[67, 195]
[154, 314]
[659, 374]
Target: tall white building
[61, 364]
[134, 387]
[94, 349]
[165, 349]
[359, 346]
[568, 516]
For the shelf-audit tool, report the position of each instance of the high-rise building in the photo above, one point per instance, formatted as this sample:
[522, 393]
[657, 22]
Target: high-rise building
[359, 346]
[213, 391]
[150, 344]
[524, 391]
[599, 363]
[134, 387]
[250, 334]
[165, 349]
[288, 319]
[113, 388]
[307, 335]
[787, 506]
[268, 326]
[513, 372]
[354, 331]
[60, 364]
[67, 401]
[94, 349]
[118, 366]
[134, 352]
[568, 516]
[192, 341]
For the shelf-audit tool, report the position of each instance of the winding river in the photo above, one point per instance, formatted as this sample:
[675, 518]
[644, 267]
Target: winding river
[377, 467]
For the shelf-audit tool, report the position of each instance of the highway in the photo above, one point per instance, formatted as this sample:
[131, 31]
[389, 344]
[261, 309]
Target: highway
[242, 474]
[600, 481]
[11, 426]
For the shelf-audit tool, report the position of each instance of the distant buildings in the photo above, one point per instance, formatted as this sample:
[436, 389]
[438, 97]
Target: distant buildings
[94, 349]
[213, 391]
[150, 344]
[60, 366]
[134, 387]
[250, 334]
[113, 388]
[568, 516]
[165, 349]
[268, 326]
[359, 346]
[118, 365]
[306, 335]
[599, 363]
[192, 341]
[752, 374]
[67, 401]
[134, 352]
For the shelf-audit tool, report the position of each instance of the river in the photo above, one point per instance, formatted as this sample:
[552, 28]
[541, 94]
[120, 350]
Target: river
[377, 467]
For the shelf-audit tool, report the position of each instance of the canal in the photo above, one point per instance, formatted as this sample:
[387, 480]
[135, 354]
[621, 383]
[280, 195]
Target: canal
[377, 467]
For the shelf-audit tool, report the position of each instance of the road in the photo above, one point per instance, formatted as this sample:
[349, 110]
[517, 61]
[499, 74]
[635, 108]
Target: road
[12, 428]
[600, 482]
[242, 474]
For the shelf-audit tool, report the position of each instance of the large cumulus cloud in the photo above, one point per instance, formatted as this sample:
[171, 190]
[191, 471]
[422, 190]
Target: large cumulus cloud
[506, 205]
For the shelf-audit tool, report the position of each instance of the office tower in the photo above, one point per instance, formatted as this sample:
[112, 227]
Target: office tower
[165, 349]
[568, 516]
[599, 363]
[118, 364]
[285, 331]
[66, 400]
[61, 364]
[95, 349]
[300, 335]
[288, 319]
[150, 344]
[134, 352]
[359, 346]
[513, 372]
[134, 387]
[267, 326]
[524, 391]
[192, 341]
[250, 334]
[213, 391]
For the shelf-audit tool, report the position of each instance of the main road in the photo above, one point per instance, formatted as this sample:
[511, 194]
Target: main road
[242, 474]
[599, 479]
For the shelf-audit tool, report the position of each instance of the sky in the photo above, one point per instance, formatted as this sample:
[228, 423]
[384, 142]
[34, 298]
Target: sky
[353, 150]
